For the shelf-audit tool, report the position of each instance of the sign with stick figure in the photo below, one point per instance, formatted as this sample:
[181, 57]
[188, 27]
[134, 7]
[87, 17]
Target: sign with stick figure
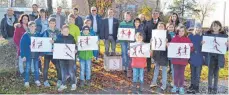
[139, 50]
[179, 50]
[87, 43]
[41, 44]
[214, 45]
[64, 51]
[126, 34]
[158, 40]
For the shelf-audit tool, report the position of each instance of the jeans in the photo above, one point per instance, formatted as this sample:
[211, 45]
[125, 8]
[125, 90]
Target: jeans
[27, 68]
[47, 60]
[85, 67]
[195, 74]
[96, 52]
[125, 56]
[213, 72]
[164, 75]
[107, 43]
[179, 75]
[67, 67]
[138, 75]
[21, 65]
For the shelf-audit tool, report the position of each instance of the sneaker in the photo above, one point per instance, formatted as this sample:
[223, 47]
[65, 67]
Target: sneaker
[26, 84]
[73, 87]
[174, 89]
[46, 84]
[62, 87]
[58, 84]
[38, 83]
[163, 88]
[88, 82]
[181, 90]
[81, 83]
[40, 72]
[153, 85]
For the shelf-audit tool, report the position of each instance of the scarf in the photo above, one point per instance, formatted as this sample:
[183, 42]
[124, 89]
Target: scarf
[9, 21]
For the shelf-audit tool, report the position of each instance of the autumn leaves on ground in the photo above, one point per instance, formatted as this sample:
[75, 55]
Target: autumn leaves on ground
[102, 81]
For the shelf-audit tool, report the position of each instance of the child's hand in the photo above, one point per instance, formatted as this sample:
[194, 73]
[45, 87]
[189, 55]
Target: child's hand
[23, 59]
[40, 57]
[51, 41]
[190, 44]
[203, 42]
[167, 44]
[227, 44]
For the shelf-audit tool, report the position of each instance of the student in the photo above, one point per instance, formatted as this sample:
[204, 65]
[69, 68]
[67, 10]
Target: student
[138, 65]
[214, 61]
[67, 66]
[20, 29]
[196, 59]
[161, 60]
[174, 19]
[28, 56]
[178, 63]
[85, 60]
[51, 32]
[73, 29]
[139, 27]
[127, 23]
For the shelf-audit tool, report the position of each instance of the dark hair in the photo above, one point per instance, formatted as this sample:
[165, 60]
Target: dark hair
[75, 8]
[42, 11]
[35, 5]
[221, 31]
[177, 20]
[21, 18]
[52, 19]
[128, 13]
[137, 19]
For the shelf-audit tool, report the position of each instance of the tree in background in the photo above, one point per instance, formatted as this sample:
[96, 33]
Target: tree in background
[49, 4]
[102, 5]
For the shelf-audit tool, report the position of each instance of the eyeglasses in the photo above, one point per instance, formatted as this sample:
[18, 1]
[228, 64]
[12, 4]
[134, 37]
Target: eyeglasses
[93, 10]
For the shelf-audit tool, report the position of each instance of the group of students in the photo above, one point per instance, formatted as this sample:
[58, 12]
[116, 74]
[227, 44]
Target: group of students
[176, 33]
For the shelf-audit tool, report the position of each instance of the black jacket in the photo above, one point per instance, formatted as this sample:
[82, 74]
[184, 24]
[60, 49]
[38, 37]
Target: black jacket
[6, 30]
[65, 39]
[148, 29]
[105, 29]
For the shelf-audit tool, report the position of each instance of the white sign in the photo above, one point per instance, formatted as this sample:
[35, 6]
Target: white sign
[158, 40]
[214, 45]
[114, 64]
[126, 34]
[139, 50]
[41, 44]
[64, 51]
[179, 50]
[87, 43]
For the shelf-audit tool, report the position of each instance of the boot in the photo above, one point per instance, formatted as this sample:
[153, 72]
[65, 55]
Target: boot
[134, 88]
[214, 91]
[141, 88]
[191, 89]
[88, 82]
[209, 90]
[197, 89]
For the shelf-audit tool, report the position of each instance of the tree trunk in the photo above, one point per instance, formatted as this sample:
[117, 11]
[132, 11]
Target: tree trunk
[50, 9]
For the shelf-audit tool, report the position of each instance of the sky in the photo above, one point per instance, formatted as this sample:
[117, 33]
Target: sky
[217, 14]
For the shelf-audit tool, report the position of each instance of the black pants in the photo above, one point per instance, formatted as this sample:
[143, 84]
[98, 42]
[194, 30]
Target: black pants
[213, 72]
[47, 60]
[149, 64]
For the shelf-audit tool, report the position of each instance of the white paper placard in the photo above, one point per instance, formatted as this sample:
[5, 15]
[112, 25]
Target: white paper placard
[214, 45]
[41, 44]
[179, 50]
[87, 43]
[64, 51]
[158, 40]
[139, 50]
[114, 64]
[126, 34]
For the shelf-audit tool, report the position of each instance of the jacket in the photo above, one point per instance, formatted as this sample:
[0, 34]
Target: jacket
[74, 31]
[99, 23]
[32, 16]
[105, 31]
[178, 39]
[39, 25]
[62, 19]
[88, 54]
[25, 46]
[6, 30]
[18, 32]
[79, 22]
[149, 27]
[141, 29]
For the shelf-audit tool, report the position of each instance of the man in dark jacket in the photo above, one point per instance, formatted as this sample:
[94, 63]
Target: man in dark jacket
[78, 20]
[109, 32]
[7, 24]
[150, 25]
[34, 14]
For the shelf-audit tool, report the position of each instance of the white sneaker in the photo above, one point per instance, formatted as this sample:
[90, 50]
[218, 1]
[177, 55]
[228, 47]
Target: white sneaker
[38, 83]
[26, 84]
[73, 87]
[62, 87]
[58, 83]
[153, 85]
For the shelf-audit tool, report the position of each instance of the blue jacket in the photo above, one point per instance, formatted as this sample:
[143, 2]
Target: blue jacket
[208, 56]
[79, 22]
[38, 24]
[25, 46]
[99, 22]
[105, 29]
[47, 33]
[141, 29]
[196, 57]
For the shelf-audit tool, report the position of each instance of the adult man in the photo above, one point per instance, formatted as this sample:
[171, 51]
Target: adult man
[78, 20]
[150, 25]
[109, 32]
[7, 24]
[60, 19]
[35, 13]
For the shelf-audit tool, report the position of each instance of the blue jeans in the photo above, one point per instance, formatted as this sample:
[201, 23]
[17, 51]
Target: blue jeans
[164, 75]
[125, 57]
[67, 67]
[85, 67]
[195, 74]
[96, 52]
[213, 73]
[138, 75]
[27, 69]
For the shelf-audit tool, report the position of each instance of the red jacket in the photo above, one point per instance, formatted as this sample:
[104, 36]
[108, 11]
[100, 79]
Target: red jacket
[18, 32]
[178, 39]
[138, 62]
